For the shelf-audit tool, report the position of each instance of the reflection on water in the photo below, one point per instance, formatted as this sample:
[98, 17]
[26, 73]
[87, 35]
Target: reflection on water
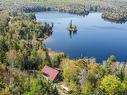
[117, 22]
[94, 38]
[72, 33]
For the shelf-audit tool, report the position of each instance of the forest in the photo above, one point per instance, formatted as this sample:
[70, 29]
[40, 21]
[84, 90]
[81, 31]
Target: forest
[23, 55]
[113, 10]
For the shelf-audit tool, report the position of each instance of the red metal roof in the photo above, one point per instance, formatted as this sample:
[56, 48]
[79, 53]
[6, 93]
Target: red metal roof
[51, 72]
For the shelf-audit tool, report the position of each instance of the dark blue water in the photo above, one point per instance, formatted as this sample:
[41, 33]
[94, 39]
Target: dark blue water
[94, 38]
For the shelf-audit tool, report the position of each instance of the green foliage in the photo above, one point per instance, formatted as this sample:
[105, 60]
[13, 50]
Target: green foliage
[56, 58]
[21, 41]
[21, 47]
[87, 89]
[21, 83]
[70, 75]
[112, 58]
[4, 21]
[118, 15]
[112, 85]
[80, 7]
[86, 77]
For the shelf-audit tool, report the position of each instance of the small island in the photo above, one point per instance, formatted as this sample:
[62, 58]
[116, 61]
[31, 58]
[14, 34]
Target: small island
[72, 28]
[37, 57]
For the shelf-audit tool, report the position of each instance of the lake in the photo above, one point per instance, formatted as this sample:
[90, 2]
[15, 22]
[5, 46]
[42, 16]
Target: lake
[95, 37]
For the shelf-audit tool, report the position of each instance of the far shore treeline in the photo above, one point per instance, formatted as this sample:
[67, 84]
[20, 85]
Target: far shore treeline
[113, 10]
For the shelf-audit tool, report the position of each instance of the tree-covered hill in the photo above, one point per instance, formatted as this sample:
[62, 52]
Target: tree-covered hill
[23, 55]
[87, 4]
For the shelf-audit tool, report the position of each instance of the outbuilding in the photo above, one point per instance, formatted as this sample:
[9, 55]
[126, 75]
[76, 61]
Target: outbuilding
[50, 73]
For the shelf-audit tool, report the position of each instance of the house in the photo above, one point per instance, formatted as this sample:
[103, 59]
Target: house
[50, 73]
